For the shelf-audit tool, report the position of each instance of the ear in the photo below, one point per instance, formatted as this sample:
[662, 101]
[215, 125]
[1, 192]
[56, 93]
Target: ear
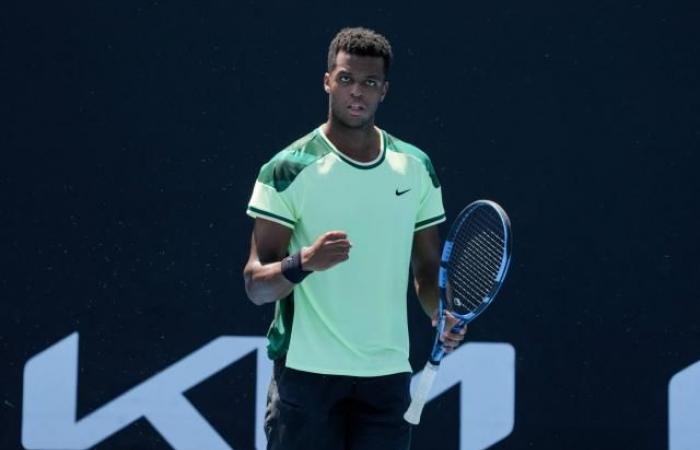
[326, 80]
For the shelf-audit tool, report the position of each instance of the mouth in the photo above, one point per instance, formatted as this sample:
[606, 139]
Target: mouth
[356, 109]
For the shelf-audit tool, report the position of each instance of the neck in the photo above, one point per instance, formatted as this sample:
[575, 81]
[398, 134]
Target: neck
[360, 144]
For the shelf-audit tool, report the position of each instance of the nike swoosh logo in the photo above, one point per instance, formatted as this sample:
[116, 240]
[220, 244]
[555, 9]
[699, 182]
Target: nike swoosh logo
[401, 192]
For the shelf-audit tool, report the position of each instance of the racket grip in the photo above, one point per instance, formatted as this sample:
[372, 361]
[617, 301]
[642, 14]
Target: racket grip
[420, 395]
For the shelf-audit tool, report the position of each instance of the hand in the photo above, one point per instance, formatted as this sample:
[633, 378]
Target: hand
[449, 340]
[328, 250]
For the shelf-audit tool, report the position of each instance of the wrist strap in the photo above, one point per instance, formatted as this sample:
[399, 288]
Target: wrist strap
[291, 268]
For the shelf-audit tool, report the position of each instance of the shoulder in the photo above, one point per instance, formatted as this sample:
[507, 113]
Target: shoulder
[283, 168]
[397, 145]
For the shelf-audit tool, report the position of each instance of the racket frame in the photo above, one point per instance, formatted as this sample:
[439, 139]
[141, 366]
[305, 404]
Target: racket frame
[437, 352]
[429, 373]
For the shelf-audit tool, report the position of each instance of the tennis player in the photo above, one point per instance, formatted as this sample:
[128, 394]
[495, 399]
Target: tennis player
[340, 214]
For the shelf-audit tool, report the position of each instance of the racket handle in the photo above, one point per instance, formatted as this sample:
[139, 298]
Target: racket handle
[420, 395]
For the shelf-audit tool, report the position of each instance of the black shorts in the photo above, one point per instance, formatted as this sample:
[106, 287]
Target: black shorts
[333, 412]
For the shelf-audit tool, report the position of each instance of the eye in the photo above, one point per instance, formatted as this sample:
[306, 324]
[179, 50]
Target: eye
[344, 79]
[371, 83]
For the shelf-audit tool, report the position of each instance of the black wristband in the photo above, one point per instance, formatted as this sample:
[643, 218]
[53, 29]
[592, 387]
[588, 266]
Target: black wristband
[291, 268]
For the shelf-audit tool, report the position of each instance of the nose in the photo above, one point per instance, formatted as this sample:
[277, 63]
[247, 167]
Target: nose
[355, 90]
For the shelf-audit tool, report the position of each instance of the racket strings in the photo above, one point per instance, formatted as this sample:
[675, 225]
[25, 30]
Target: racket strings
[479, 248]
[473, 284]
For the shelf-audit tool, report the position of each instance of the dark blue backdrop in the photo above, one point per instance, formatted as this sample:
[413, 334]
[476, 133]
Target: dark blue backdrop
[132, 133]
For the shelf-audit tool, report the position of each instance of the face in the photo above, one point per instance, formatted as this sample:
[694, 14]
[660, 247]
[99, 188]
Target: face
[355, 88]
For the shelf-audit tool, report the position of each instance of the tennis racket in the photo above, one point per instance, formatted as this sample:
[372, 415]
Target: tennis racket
[475, 259]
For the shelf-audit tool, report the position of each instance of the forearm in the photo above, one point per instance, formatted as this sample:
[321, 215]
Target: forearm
[269, 276]
[265, 283]
[428, 294]
[425, 261]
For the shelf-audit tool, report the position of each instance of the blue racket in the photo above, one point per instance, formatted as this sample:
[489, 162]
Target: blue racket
[475, 259]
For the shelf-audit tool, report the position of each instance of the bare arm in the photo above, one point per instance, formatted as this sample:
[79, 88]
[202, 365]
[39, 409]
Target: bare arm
[264, 281]
[425, 260]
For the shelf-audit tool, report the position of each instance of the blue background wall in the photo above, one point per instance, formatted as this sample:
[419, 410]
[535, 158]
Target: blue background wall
[132, 133]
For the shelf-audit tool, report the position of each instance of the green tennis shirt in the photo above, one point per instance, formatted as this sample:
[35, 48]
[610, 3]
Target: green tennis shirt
[350, 319]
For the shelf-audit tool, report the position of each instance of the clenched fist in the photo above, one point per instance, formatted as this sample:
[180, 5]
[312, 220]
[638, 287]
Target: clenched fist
[328, 250]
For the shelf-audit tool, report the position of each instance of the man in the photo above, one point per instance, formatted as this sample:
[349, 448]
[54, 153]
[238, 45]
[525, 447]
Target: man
[352, 206]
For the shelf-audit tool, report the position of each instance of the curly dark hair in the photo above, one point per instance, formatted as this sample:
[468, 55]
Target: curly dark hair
[360, 41]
